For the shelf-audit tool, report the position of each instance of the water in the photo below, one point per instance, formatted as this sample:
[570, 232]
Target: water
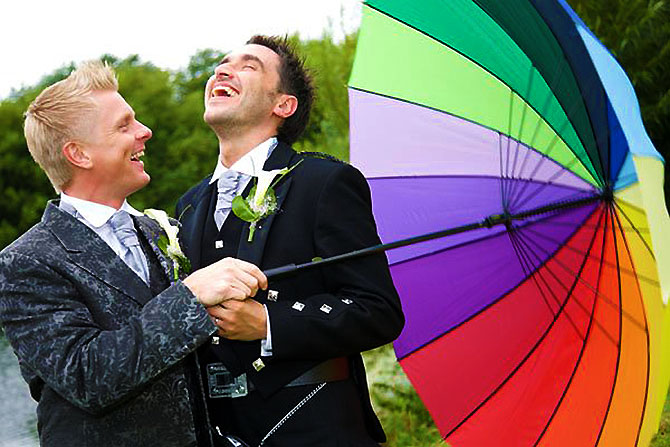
[18, 426]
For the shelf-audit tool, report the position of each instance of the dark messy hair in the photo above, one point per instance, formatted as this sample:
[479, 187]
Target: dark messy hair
[294, 79]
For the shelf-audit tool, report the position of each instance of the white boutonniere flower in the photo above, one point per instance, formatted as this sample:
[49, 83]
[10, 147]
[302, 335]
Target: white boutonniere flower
[262, 200]
[169, 245]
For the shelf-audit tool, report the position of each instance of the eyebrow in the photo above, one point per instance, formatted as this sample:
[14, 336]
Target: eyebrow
[245, 58]
[126, 117]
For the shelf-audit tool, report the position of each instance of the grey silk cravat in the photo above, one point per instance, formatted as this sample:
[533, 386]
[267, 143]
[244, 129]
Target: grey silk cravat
[227, 186]
[124, 230]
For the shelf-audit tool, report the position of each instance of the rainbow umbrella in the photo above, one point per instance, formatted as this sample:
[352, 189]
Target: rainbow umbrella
[546, 322]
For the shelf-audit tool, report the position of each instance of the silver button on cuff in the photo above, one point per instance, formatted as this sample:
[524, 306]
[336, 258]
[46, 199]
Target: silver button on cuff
[326, 308]
[298, 306]
[258, 364]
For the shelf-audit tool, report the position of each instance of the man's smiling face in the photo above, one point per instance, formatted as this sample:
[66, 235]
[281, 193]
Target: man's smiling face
[243, 91]
[115, 144]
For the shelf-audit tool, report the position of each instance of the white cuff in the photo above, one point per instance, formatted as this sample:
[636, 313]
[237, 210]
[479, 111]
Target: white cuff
[266, 343]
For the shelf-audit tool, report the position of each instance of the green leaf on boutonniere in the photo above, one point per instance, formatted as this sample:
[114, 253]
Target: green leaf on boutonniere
[261, 200]
[184, 264]
[168, 243]
[242, 209]
[162, 243]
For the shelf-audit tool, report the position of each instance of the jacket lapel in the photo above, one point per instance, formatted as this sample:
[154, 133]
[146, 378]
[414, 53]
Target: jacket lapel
[253, 251]
[193, 223]
[88, 251]
[152, 231]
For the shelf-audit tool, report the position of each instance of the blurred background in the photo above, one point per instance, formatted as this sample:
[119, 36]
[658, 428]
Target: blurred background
[163, 56]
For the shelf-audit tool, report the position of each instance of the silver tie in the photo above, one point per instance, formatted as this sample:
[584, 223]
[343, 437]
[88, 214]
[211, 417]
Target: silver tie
[124, 230]
[227, 186]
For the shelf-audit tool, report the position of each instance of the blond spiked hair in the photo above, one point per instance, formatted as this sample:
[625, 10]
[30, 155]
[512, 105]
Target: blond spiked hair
[62, 113]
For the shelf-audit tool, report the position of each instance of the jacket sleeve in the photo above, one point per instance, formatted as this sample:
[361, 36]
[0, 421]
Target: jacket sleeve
[54, 334]
[360, 308]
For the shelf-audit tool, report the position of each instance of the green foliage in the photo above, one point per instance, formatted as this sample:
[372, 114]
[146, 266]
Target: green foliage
[637, 32]
[405, 419]
[25, 187]
[662, 438]
[330, 64]
[183, 149]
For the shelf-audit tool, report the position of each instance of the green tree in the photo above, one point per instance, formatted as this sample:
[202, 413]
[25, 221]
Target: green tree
[330, 63]
[637, 32]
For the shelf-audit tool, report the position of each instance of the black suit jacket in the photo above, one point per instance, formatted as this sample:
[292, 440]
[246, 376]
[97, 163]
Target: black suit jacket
[102, 355]
[324, 210]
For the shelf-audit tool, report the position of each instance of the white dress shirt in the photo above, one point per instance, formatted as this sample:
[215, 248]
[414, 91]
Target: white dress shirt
[96, 217]
[251, 163]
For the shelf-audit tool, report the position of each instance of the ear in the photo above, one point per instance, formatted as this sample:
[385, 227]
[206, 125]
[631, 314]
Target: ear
[286, 106]
[76, 155]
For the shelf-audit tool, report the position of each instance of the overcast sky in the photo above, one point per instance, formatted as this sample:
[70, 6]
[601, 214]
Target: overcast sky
[40, 36]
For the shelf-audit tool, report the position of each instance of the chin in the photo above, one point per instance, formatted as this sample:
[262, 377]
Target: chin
[141, 183]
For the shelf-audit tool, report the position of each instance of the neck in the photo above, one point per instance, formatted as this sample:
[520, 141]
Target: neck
[232, 149]
[83, 191]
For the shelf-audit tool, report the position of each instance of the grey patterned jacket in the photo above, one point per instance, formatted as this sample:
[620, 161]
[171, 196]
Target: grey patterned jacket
[103, 357]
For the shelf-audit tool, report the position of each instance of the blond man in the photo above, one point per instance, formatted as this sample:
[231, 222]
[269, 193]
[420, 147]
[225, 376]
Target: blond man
[104, 335]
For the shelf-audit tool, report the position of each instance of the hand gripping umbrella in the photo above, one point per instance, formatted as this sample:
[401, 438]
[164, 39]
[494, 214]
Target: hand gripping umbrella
[542, 318]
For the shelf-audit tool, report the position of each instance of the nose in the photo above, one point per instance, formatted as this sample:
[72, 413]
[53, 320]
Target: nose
[223, 71]
[143, 132]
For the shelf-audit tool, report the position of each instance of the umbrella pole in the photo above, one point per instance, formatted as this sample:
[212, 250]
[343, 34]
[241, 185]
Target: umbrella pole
[490, 222]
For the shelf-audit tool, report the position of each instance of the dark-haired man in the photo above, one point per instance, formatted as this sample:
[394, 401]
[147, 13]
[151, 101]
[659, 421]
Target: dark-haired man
[286, 368]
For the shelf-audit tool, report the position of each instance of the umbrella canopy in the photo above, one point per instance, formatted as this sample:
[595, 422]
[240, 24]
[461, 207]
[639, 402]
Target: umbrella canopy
[549, 329]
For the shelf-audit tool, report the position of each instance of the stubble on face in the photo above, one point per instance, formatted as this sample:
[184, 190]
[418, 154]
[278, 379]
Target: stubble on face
[256, 100]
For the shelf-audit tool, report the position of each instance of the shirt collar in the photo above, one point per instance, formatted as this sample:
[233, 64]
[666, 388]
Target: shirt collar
[250, 163]
[94, 213]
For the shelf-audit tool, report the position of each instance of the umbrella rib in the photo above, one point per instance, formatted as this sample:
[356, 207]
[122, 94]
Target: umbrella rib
[579, 304]
[548, 182]
[592, 320]
[606, 299]
[535, 134]
[526, 357]
[540, 186]
[493, 303]
[644, 313]
[568, 109]
[628, 219]
[466, 56]
[441, 250]
[618, 359]
[510, 172]
[538, 274]
[567, 166]
[555, 138]
[584, 225]
[632, 273]
[594, 83]
[528, 271]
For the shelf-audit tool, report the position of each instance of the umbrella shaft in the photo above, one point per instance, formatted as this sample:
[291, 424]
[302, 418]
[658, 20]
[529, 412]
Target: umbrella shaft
[491, 221]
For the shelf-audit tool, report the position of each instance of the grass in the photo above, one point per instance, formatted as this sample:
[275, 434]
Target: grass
[662, 438]
[406, 421]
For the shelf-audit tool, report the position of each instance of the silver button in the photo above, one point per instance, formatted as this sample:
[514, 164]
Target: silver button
[218, 244]
[298, 306]
[258, 364]
[215, 340]
[346, 301]
[326, 308]
[273, 295]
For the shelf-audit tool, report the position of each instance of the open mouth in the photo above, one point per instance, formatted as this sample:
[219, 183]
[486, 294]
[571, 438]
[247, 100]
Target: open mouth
[224, 91]
[136, 156]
